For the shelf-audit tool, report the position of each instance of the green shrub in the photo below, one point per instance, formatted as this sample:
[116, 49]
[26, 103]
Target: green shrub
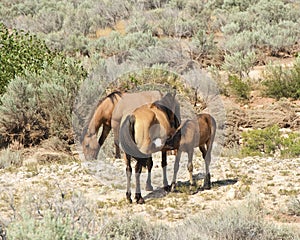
[283, 82]
[269, 140]
[21, 52]
[241, 87]
[38, 106]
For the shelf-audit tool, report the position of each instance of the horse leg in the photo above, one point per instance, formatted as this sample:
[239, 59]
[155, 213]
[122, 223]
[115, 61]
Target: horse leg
[138, 196]
[149, 186]
[116, 128]
[128, 174]
[164, 167]
[190, 166]
[207, 159]
[105, 131]
[176, 167]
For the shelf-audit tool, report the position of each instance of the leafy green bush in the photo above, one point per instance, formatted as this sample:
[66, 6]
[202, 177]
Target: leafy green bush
[269, 140]
[21, 52]
[283, 82]
[241, 87]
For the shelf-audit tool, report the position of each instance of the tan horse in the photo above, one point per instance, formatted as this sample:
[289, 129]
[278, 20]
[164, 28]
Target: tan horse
[144, 132]
[199, 132]
[101, 117]
[108, 114]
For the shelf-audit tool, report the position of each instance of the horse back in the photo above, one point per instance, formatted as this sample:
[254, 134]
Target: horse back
[207, 128]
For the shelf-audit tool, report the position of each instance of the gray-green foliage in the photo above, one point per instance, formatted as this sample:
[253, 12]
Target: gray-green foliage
[48, 228]
[239, 63]
[37, 106]
[115, 43]
[10, 158]
[244, 221]
[273, 25]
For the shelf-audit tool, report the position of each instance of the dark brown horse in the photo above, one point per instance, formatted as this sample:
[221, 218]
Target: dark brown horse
[144, 132]
[101, 117]
[199, 132]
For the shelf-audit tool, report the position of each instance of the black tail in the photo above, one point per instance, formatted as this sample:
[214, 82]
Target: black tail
[127, 139]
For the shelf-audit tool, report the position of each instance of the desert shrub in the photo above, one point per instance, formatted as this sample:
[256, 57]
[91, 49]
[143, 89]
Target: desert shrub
[37, 106]
[132, 228]
[294, 206]
[269, 140]
[283, 82]
[10, 158]
[21, 52]
[115, 43]
[239, 63]
[240, 87]
[243, 221]
[49, 227]
[203, 46]
[273, 26]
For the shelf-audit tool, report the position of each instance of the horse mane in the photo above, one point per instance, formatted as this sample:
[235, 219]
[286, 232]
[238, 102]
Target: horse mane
[158, 104]
[112, 96]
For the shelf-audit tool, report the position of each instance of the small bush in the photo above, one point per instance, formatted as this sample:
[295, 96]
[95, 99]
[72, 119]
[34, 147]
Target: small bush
[269, 140]
[294, 206]
[21, 52]
[132, 228]
[48, 228]
[261, 141]
[10, 158]
[282, 82]
[241, 87]
[239, 63]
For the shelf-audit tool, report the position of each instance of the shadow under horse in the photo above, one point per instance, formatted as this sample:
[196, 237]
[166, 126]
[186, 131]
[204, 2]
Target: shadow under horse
[144, 132]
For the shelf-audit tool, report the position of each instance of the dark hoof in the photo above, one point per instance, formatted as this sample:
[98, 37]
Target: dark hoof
[139, 199]
[149, 188]
[128, 197]
[206, 187]
[167, 188]
[118, 156]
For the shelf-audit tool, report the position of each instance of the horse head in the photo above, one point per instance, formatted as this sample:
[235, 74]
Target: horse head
[90, 146]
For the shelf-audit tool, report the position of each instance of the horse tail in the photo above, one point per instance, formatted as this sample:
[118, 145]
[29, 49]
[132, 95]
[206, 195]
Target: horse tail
[127, 139]
[213, 127]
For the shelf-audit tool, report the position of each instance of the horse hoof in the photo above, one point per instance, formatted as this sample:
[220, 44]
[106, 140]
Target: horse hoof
[128, 197]
[149, 188]
[140, 201]
[167, 188]
[206, 187]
